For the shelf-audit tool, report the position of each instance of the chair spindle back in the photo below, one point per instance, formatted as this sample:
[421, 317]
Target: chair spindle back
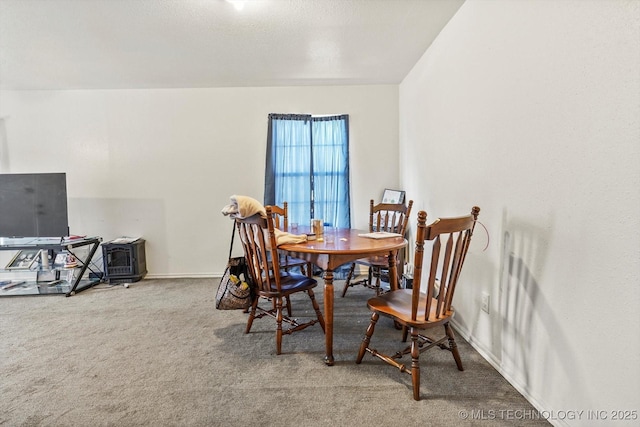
[259, 242]
[281, 216]
[451, 238]
[390, 217]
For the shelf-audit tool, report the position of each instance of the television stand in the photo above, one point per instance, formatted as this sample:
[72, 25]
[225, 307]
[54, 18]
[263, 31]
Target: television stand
[39, 275]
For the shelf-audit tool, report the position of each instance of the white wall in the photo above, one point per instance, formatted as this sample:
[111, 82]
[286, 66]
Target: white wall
[162, 163]
[531, 110]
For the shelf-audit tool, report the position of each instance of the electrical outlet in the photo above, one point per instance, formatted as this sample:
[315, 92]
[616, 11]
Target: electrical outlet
[486, 302]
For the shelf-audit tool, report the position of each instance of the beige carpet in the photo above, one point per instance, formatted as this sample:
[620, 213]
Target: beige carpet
[160, 354]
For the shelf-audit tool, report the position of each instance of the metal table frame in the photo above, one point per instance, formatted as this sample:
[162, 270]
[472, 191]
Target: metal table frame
[56, 244]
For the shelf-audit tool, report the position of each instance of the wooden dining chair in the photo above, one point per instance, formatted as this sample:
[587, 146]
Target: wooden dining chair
[270, 281]
[390, 217]
[280, 216]
[281, 222]
[416, 310]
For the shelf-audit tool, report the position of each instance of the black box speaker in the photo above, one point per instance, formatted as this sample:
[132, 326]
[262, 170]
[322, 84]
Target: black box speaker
[124, 262]
[407, 281]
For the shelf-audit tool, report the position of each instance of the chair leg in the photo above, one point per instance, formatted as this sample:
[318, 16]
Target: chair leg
[252, 315]
[288, 306]
[378, 274]
[316, 307]
[367, 336]
[347, 283]
[308, 269]
[415, 364]
[279, 325]
[453, 346]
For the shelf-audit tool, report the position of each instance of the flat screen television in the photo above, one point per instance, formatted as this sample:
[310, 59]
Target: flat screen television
[33, 205]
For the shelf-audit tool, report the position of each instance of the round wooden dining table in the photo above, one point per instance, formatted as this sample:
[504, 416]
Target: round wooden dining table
[337, 247]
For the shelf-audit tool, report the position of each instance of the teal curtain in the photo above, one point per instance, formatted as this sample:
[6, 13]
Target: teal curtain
[307, 165]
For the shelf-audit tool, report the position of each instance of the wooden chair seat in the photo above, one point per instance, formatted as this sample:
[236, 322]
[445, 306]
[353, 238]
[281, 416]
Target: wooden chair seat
[397, 305]
[291, 283]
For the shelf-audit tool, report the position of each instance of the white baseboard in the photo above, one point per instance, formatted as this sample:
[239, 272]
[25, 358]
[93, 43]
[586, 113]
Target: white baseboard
[493, 361]
[185, 276]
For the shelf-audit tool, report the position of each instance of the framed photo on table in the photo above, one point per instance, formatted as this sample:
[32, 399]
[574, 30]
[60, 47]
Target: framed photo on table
[23, 260]
[393, 196]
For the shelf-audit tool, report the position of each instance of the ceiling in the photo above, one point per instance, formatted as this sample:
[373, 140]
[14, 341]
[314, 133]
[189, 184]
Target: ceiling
[123, 44]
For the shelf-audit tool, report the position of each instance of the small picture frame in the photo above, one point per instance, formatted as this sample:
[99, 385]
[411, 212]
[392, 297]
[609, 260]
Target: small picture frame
[24, 259]
[393, 196]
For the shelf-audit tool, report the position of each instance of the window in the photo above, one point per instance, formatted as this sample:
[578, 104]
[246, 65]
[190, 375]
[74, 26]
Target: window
[307, 166]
